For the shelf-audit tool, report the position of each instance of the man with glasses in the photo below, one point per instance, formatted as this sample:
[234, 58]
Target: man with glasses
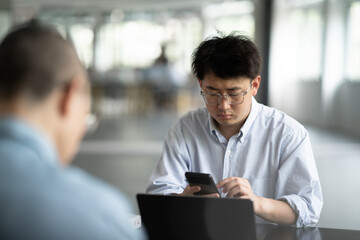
[252, 151]
[44, 106]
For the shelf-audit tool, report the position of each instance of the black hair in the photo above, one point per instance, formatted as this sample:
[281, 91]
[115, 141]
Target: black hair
[34, 59]
[227, 57]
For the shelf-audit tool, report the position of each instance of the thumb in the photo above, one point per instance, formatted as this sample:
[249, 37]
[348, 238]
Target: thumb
[194, 189]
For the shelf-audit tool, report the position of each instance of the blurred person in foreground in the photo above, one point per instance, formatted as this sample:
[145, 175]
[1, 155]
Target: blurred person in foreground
[252, 151]
[44, 102]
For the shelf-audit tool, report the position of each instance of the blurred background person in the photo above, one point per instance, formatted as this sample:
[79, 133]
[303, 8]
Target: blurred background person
[164, 80]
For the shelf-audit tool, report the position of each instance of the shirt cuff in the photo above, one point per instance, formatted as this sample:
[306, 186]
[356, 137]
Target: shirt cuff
[298, 204]
[164, 190]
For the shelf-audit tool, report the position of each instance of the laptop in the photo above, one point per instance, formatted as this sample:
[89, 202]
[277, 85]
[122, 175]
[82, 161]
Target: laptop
[180, 217]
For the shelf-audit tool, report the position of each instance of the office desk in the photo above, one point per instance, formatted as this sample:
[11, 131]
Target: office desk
[273, 232]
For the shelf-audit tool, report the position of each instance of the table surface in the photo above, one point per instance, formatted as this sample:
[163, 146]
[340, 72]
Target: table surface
[274, 232]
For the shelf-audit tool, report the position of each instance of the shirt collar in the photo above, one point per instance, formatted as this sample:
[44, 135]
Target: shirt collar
[244, 129]
[22, 132]
[213, 129]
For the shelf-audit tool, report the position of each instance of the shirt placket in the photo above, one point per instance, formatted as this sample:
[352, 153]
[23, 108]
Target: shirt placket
[229, 158]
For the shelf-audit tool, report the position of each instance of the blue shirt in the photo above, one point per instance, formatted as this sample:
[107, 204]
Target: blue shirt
[39, 199]
[271, 150]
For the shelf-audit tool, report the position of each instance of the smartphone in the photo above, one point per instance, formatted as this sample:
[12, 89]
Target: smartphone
[204, 180]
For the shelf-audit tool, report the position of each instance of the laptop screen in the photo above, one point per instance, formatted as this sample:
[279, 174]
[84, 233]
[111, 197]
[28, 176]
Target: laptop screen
[179, 217]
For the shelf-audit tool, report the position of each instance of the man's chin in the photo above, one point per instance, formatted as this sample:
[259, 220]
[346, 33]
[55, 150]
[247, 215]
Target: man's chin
[225, 123]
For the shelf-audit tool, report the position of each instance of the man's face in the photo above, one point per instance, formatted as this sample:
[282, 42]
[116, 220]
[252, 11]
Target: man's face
[230, 116]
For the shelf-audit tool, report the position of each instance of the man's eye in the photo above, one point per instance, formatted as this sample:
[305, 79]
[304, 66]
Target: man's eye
[213, 94]
[233, 94]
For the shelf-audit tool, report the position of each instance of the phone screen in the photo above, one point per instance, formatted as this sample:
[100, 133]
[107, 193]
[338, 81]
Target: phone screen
[204, 180]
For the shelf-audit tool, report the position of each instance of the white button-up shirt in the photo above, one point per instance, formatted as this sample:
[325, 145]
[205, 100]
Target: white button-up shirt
[40, 199]
[271, 150]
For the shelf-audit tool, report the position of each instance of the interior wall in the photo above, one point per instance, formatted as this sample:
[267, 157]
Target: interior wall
[302, 101]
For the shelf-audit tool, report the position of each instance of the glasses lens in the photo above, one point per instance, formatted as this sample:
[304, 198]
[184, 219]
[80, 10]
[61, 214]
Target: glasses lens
[92, 123]
[235, 99]
[211, 99]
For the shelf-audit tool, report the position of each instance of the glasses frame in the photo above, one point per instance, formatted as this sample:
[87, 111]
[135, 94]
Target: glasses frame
[221, 96]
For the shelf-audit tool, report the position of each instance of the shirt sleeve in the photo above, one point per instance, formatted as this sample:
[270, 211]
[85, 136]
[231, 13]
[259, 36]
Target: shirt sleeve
[298, 182]
[168, 176]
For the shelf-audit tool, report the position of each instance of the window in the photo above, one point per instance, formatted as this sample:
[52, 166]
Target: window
[352, 67]
[228, 17]
[83, 37]
[128, 44]
[137, 43]
[307, 35]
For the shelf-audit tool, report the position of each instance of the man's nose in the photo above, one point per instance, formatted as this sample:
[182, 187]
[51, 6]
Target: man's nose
[224, 104]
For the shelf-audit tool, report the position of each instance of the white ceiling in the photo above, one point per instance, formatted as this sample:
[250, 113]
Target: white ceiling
[111, 4]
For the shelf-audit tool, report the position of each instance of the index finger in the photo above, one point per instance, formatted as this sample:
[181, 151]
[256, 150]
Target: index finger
[224, 182]
[227, 180]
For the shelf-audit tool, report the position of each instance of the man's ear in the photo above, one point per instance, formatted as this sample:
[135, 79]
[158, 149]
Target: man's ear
[200, 83]
[67, 96]
[256, 84]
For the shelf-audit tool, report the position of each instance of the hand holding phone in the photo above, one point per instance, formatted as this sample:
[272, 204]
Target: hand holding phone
[204, 180]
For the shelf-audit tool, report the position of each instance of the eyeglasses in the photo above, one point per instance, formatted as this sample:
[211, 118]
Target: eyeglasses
[92, 123]
[92, 119]
[216, 98]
